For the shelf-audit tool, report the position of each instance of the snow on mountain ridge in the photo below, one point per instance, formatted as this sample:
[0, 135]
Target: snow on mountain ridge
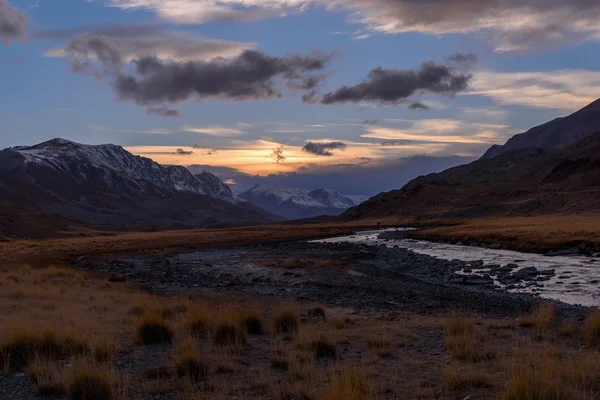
[298, 203]
[72, 158]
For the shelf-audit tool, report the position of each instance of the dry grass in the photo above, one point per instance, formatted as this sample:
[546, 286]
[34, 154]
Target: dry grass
[537, 233]
[153, 329]
[90, 383]
[348, 384]
[23, 347]
[592, 328]
[540, 320]
[189, 364]
[286, 320]
[467, 378]
[197, 322]
[228, 330]
[252, 321]
[462, 341]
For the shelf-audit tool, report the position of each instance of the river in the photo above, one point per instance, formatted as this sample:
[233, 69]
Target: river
[576, 279]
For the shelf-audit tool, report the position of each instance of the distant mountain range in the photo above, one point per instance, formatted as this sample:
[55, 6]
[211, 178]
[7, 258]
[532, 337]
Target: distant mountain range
[57, 184]
[300, 203]
[553, 168]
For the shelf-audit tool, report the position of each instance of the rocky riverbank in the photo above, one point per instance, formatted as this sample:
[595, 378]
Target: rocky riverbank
[364, 278]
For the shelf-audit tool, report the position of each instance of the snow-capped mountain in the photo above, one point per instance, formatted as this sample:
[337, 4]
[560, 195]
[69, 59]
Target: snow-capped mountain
[79, 160]
[298, 203]
[106, 185]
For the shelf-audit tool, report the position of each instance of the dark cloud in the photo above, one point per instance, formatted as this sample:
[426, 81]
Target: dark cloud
[251, 75]
[392, 86]
[364, 159]
[465, 60]
[278, 154]
[183, 152]
[370, 122]
[417, 105]
[13, 23]
[205, 152]
[164, 111]
[323, 149]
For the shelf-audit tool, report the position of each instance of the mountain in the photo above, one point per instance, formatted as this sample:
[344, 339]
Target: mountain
[517, 182]
[559, 133]
[299, 203]
[106, 186]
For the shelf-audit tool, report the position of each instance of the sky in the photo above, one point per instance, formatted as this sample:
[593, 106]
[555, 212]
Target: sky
[356, 95]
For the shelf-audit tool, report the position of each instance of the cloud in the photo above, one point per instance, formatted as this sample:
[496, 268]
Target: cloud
[354, 177]
[440, 131]
[417, 105]
[323, 148]
[250, 76]
[509, 25]
[182, 152]
[205, 152]
[131, 42]
[278, 154]
[214, 130]
[106, 129]
[370, 122]
[566, 90]
[164, 112]
[393, 143]
[13, 23]
[392, 86]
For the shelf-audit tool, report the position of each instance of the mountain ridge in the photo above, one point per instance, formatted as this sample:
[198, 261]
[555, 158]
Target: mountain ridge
[298, 203]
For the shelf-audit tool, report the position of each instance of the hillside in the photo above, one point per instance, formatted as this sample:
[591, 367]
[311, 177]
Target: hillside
[55, 185]
[517, 182]
[559, 133]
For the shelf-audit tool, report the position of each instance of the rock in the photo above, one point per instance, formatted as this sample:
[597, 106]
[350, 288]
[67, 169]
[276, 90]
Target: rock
[118, 278]
[526, 273]
[547, 272]
[564, 277]
[456, 279]
[511, 266]
[563, 252]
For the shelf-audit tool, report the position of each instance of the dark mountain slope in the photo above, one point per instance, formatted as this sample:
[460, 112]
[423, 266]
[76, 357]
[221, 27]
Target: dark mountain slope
[559, 133]
[105, 186]
[517, 182]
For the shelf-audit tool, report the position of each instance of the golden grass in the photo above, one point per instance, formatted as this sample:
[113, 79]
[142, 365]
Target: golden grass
[348, 384]
[252, 321]
[228, 330]
[592, 328]
[535, 233]
[153, 329]
[467, 378]
[23, 347]
[189, 364]
[89, 383]
[197, 322]
[540, 320]
[286, 320]
[461, 340]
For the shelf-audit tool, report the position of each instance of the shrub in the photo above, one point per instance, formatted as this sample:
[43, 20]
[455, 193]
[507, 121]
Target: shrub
[253, 322]
[90, 384]
[592, 328]
[542, 319]
[228, 331]
[23, 347]
[153, 329]
[323, 348]
[316, 312]
[47, 377]
[348, 385]
[286, 320]
[197, 323]
[189, 364]
[457, 326]
[117, 278]
[460, 340]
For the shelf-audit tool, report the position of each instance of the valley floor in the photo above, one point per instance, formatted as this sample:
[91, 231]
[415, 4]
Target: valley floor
[241, 314]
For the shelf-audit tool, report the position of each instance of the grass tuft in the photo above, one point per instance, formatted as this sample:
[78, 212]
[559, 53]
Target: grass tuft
[197, 323]
[316, 312]
[90, 384]
[252, 321]
[190, 365]
[228, 331]
[153, 329]
[348, 385]
[592, 328]
[286, 320]
[323, 348]
[23, 347]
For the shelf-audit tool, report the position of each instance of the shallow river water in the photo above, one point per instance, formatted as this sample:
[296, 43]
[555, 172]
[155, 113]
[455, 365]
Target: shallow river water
[576, 279]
